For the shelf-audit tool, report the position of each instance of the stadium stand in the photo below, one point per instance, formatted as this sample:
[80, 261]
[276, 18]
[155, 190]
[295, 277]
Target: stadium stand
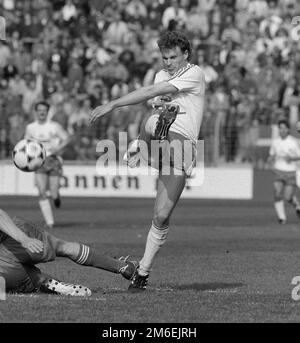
[78, 54]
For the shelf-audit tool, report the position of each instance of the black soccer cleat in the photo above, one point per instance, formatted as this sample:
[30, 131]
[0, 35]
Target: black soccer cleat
[298, 212]
[57, 202]
[130, 269]
[166, 118]
[138, 283]
[282, 221]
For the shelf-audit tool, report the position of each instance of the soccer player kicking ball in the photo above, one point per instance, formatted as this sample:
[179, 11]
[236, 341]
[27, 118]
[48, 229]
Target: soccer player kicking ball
[284, 152]
[177, 120]
[24, 244]
[54, 138]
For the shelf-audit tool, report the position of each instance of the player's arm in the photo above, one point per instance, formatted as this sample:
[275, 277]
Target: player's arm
[158, 101]
[135, 97]
[296, 156]
[9, 227]
[64, 139]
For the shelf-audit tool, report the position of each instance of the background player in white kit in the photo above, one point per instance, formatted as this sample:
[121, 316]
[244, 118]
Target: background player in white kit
[47, 178]
[184, 84]
[284, 152]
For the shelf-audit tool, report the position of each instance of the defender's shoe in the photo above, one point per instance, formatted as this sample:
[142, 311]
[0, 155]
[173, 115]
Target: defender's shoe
[61, 288]
[57, 202]
[298, 212]
[130, 269]
[281, 221]
[138, 283]
[131, 155]
[166, 118]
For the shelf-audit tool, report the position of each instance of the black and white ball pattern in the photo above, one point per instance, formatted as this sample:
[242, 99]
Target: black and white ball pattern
[29, 155]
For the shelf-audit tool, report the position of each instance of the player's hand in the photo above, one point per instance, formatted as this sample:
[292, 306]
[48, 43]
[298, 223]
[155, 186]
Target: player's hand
[166, 98]
[161, 101]
[33, 245]
[100, 111]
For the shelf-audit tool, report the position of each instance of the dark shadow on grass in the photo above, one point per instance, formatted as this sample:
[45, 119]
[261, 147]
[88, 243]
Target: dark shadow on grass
[200, 287]
[102, 291]
[66, 225]
[209, 286]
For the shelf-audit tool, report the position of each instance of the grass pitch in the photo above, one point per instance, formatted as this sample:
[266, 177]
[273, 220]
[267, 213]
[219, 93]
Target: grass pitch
[224, 261]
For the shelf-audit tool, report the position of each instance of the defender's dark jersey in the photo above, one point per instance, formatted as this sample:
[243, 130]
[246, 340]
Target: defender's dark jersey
[2, 236]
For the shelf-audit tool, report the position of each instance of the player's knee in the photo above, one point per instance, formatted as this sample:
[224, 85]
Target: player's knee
[43, 194]
[161, 220]
[54, 194]
[58, 245]
[67, 249]
[278, 195]
[289, 198]
[61, 248]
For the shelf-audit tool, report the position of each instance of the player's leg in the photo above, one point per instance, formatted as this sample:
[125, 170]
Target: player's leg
[154, 126]
[288, 192]
[54, 184]
[54, 178]
[296, 204]
[86, 256]
[29, 279]
[278, 201]
[167, 116]
[19, 278]
[12, 270]
[53, 246]
[290, 197]
[45, 283]
[41, 181]
[169, 190]
[135, 152]
[22, 278]
[17, 265]
[49, 284]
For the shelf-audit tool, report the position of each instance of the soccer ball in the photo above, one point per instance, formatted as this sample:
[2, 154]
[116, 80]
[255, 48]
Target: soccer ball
[29, 155]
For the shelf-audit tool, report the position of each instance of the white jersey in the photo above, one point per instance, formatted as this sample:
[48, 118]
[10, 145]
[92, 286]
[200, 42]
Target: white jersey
[50, 134]
[283, 148]
[190, 83]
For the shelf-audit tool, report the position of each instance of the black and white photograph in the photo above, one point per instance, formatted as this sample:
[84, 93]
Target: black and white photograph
[149, 165]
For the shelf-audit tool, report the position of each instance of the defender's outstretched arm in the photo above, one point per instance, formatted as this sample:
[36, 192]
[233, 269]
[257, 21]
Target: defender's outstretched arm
[9, 227]
[135, 97]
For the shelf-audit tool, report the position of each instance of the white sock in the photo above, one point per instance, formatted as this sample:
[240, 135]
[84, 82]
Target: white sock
[46, 211]
[279, 208]
[156, 238]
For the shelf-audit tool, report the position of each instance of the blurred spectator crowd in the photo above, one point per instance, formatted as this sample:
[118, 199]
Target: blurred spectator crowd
[78, 54]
